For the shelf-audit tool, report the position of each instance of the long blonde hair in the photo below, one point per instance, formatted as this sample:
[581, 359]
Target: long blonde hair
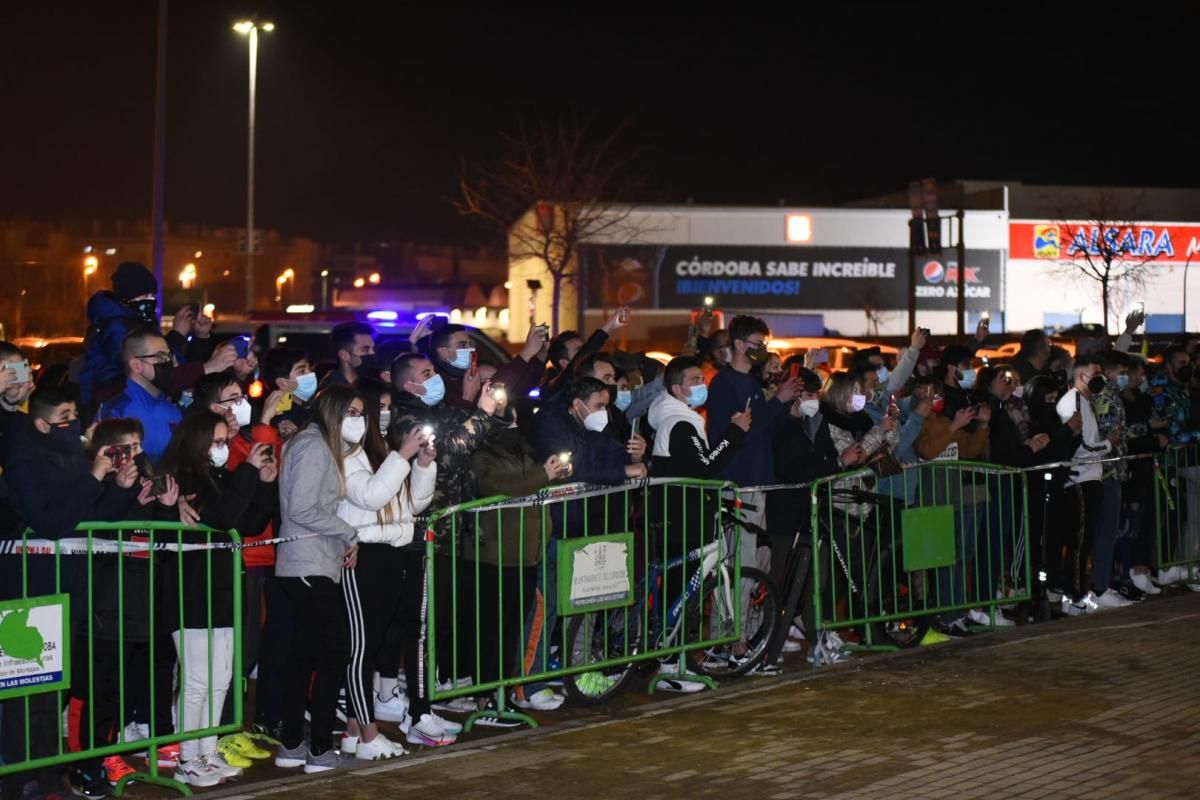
[329, 409]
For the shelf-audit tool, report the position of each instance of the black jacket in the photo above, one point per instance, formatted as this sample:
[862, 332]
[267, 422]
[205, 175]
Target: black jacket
[803, 452]
[235, 500]
[52, 489]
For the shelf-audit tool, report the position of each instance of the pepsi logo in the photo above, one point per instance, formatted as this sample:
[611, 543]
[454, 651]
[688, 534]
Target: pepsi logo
[934, 271]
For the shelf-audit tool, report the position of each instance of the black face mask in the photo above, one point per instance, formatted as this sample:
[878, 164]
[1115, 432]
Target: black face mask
[164, 377]
[66, 434]
[368, 365]
[146, 311]
[1096, 384]
[757, 355]
[1059, 375]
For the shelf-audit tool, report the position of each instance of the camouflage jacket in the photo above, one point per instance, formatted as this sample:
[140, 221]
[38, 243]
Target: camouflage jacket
[1173, 403]
[1110, 415]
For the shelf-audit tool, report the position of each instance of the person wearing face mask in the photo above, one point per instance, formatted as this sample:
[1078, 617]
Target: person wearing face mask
[567, 349]
[855, 435]
[450, 349]
[881, 384]
[54, 486]
[150, 373]
[1033, 356]
[308, 573]
[202, 628]
[1171, 397]
[681, 445]
[1084, 512]
[112, 315]
[354, 346]
[958, 377]
[288, 380]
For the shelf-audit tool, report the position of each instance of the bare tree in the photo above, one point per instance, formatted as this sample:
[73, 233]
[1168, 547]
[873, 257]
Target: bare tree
[1100, 240]
[575, 182]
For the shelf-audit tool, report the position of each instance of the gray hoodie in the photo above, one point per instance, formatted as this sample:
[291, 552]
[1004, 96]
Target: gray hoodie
[308, 502]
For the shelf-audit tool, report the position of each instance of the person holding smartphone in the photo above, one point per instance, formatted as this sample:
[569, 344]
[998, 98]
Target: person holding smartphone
[16, 385]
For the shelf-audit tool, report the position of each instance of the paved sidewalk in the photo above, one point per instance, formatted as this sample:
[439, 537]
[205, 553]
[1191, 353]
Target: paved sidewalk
[1097, 707]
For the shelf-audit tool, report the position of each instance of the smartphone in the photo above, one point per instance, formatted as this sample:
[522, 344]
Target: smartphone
[242, 345]
[195, 307]
[1139, 308]
[821, 356]
[635, 426]
[498, 392]
[473, 370]
[269, 455]
[748, 401]
[564, 458]
[428, 431]
[158, 484]
[793, 371]
[545, 329]
[21, 370]
[986, 317]
[120, 454]
[625, 315]
[285, 403]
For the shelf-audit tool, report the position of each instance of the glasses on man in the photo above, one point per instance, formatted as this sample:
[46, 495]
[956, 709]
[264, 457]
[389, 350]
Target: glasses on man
[157, 358]
[232, 402]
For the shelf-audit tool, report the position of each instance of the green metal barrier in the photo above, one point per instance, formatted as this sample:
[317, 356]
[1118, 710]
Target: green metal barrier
[890, 553]
[636, 573]
[1177, 511]
[90, 571]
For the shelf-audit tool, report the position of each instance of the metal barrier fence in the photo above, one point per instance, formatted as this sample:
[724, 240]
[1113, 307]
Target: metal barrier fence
[616, 576]
[104, 617]
[1177, 511]
[938, 537]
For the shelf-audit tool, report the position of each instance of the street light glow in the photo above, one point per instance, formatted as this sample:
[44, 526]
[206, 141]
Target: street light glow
[90, 265]
[324, 273]
[267, 26]
[374, 277]
[198, 254]
[359, 283]
[243, 27]
[289, 273]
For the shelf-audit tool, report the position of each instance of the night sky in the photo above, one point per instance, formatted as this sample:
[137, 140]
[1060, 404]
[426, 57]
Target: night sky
[365, 113]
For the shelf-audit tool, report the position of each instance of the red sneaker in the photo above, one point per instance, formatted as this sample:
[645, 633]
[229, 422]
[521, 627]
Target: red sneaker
[116, 768]
[168, 756]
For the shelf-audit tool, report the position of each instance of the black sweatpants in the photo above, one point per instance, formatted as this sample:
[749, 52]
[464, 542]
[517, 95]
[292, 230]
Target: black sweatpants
[373, 600]
[100, 713]
[1071, 538]
[274, 654]
[321, 647]
[502, 603]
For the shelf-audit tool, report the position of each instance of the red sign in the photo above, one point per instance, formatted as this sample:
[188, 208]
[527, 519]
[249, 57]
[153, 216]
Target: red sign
[1069, 241]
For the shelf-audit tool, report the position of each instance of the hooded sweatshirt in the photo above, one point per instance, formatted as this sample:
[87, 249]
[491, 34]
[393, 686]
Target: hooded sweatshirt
[681, 448]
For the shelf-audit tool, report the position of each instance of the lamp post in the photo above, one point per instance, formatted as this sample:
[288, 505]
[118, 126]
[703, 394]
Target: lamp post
[250, 29]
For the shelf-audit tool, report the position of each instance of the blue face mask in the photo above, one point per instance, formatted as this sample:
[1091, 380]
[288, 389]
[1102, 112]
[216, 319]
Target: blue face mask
[462, 358]
[306, 386]
[1122, 383]
[1144, 386]
[624, 399]
[435, 391]
[697, 396]
[882, 373]
[967, 380]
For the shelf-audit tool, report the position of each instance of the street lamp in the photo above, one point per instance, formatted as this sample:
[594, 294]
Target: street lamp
[288, 274]
[374, 278]
[250, 28]
[187, 276]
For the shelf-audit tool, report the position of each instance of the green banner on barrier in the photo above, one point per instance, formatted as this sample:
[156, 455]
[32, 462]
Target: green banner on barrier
[35, 645]
[928, 538]
[595, 573]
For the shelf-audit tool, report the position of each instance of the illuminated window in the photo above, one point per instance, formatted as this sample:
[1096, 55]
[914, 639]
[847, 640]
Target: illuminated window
[799, 228]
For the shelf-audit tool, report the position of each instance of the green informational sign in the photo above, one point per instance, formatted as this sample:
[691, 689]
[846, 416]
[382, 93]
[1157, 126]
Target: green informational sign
[35, 654]
[595, 573]
[928, 538]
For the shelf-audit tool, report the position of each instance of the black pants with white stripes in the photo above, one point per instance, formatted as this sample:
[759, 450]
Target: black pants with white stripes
[373, 595]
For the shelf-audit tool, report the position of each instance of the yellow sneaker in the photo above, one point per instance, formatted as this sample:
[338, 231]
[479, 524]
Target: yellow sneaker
[234, 754]
[932, 637]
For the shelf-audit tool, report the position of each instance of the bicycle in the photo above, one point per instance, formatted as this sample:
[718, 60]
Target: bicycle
[887, 591]
[615, 641]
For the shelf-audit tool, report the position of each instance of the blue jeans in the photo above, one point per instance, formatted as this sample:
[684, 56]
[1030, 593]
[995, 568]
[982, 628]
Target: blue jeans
[952, 581]
[540, 621]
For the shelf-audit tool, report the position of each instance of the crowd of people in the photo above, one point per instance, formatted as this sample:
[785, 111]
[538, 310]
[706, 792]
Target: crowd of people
[324, 469]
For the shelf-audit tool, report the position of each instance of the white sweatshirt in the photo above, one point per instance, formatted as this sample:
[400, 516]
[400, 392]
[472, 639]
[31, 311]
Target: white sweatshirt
[1093, 445]
[368, 493]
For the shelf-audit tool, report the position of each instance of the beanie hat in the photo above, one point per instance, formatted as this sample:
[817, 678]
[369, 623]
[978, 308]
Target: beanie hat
[131, 280]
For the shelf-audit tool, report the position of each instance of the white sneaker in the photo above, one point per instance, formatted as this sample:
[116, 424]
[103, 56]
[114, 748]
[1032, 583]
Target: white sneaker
[393, 709]
[793, 645]
[678, 684]
[541, 700]
[827, 650]
[378, 748]
[981, 617]
[1087, 605]
[226, 769]
[1169, 576]
[459, 705]
[1053, 597]
[1111, 599]
[461, 683]
[1142, 581]
[429, 732]
[449, 726]
[198, 772]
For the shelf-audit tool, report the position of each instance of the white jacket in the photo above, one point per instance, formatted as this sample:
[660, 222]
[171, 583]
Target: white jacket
[1093, 445]
[664, 413]
[368, 493]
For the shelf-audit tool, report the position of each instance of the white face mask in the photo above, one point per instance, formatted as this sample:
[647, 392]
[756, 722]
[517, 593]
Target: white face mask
[385, 419]
[218, 455]
[354, 429]
[1018, 391]
[809, 408]
[596, 421]
[858, 402]
[241, 412]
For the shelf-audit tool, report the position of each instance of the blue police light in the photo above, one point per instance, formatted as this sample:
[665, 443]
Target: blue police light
[389, 316]
[535, 393]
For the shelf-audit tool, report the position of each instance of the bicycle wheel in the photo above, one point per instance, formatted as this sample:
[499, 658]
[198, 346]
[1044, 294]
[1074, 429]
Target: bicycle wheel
[714, 619]
[597, 638]
[892, 591]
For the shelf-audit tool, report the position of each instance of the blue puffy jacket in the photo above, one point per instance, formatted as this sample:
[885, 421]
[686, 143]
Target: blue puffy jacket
[109, 321]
